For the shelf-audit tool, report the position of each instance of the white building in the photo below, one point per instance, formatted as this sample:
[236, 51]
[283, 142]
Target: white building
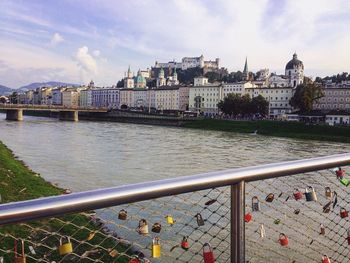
[70, 97]
[129, 79]
[200, 81]
[205, 98]
[140, 98]
[57, 96]
[85, 99]
[336, 97]
[171, 64]
[278, 98]
[167, 98]
[337, 117]
[295, 71]
[105, 97]
[126, 97]
[277, 81]
[236, 88]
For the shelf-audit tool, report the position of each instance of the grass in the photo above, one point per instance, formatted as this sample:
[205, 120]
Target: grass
[17, 183]
[276, 128]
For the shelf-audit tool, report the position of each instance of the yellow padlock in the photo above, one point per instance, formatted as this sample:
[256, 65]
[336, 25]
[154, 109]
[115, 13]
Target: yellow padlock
[156, 247]
[65, 248]
[91, 235]
[22, 257]
[169, 220]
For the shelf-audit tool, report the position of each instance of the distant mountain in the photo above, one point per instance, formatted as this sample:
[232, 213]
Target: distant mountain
[44, 84]
[5, 90]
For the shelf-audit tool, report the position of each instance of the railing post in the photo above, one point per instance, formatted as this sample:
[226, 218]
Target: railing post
[237, 223]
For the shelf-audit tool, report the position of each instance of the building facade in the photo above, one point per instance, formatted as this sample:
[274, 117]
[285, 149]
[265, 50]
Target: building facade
[336, 97]
[105, 97]
[85, 99]
[295, 71]
[70, 97]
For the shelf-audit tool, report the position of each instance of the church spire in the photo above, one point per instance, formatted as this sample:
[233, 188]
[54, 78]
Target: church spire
[245, 70]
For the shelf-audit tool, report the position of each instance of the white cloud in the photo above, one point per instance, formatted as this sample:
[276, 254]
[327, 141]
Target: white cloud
[85, 61]
[56, 39]
[96, 53]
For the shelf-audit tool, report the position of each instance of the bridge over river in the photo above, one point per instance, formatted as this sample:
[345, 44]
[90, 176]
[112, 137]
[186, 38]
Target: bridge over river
[15, 111]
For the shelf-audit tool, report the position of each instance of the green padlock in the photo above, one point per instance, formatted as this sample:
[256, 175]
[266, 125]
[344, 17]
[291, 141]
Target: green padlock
[344, 181]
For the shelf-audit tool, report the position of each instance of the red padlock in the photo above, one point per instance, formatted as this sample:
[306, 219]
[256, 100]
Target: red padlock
[283, 240]
[134, 260]
[344, 213]
[339, 173]
[208, 254]
[248, 217]
[326, 259]
[297, 194]
[184, 244]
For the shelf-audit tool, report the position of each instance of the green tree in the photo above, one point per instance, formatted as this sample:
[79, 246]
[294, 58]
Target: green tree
[120, 83]
[231, 104]
[187, 76]
[305, 95]
[260, 105]
[13, 98]
[213, 76]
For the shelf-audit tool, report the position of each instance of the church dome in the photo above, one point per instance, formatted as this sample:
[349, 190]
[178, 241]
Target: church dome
[294, 63]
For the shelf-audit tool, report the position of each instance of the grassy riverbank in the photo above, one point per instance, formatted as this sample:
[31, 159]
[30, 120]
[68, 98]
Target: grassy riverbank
[18, 182]
[276, 128]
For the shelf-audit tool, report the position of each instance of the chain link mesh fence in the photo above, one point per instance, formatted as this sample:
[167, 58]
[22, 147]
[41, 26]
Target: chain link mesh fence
[279, 228]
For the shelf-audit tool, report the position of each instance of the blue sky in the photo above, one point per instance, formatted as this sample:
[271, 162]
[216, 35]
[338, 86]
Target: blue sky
[75, 41]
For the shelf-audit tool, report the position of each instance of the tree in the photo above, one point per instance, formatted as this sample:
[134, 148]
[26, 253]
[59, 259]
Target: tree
[231, 104]
[305, 95]
[120, 83]
[187, 76]
[213, 76]
[260, 105]
[13, 98]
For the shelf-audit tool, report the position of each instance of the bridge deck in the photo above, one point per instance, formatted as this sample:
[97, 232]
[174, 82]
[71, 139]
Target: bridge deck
[49, 108]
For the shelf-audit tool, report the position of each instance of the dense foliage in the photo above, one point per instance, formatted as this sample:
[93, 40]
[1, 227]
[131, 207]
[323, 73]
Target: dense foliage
[305, 95]
[335, 78]
[235, 104]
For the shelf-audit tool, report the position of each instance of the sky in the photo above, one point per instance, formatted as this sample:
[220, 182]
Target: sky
[78, 40]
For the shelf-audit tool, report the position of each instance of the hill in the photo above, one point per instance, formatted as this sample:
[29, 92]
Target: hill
[5, 90]
[35, 85]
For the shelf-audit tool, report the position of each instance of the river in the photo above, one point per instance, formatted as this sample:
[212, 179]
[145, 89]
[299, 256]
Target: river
[87, 155]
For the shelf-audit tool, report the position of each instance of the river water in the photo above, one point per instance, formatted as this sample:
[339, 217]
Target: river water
[88, 155]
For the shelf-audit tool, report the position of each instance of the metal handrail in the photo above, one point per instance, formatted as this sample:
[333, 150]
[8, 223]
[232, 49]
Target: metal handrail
[101, 198]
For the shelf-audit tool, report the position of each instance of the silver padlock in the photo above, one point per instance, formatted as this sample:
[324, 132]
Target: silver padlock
[310, 194]
[255, 204]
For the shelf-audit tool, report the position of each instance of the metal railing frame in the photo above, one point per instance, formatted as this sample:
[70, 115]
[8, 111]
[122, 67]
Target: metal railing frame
[236, 178]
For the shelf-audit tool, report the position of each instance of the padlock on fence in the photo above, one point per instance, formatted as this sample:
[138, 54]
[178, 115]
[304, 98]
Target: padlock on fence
[283, 240]
[339, 173]
[156, 247]
[19, 258]
[143, 227]
[199, 218]
[269, 198]
[325, 259]
[184, 243]
[322, 230]
[297, 194]
[310, 194]
[255, 203]
[65, 248]
[169, 220]
[156, 227]
[348, 237]
[208, 254]
[123, 214]
[343, 212]
[134, 260]
[262, 231]
[344, 181]
[328, 192]
[248, 217]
